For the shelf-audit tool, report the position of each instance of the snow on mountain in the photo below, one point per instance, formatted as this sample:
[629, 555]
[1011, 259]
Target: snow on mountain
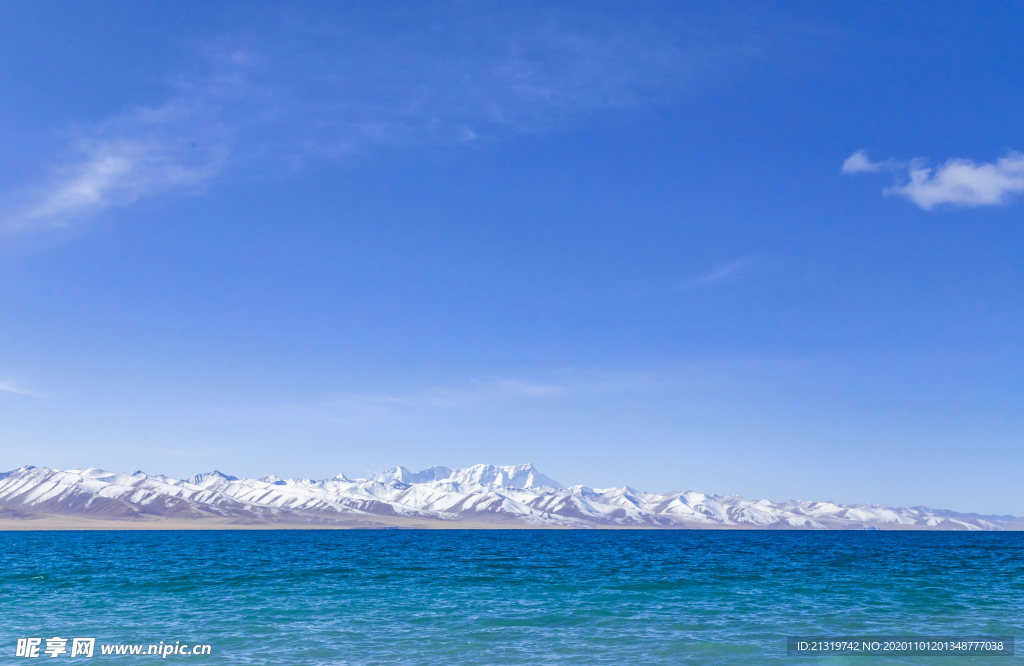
[483, 493]
[519, 476]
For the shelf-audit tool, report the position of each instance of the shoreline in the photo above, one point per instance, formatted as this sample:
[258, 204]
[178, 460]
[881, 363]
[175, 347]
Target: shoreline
[58, 523]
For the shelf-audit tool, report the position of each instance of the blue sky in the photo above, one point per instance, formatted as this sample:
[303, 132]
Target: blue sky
[766, 250]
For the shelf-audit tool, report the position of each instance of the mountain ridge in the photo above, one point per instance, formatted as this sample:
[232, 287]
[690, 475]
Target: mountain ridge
[517, 495]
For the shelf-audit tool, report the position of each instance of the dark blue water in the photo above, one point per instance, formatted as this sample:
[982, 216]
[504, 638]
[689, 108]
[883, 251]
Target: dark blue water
[505, 597]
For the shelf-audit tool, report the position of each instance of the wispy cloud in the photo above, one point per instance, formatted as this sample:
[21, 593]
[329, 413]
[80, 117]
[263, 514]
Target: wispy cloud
[730, 271]
[957, 182]
[457, 401]
[12, 387]
[358, 407]
[175, 147]
[481, 74]
[111, 172]
[317, 89]
[351, 406]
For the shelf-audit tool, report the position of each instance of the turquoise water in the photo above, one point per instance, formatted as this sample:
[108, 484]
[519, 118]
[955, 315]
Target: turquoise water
[506, 597]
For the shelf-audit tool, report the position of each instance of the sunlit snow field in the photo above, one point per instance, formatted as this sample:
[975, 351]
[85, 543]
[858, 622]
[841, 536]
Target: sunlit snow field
[506, 597]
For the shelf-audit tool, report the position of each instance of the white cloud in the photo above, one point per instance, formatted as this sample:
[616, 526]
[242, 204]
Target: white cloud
[859, 163]
[964, 183]
[958, 182]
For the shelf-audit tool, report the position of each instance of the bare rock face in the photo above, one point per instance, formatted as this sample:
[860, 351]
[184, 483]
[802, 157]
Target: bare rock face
[519, 495]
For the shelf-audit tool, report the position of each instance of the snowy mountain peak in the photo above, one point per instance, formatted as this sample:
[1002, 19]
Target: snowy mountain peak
[210, 478]
[517, 476]
[403, 475]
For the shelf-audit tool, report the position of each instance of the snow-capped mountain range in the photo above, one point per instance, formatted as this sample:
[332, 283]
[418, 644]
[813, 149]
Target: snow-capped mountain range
[439, 496]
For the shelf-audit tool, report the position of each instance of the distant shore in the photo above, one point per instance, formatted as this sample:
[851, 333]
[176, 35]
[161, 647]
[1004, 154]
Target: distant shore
[49, 522]
[55, 523]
